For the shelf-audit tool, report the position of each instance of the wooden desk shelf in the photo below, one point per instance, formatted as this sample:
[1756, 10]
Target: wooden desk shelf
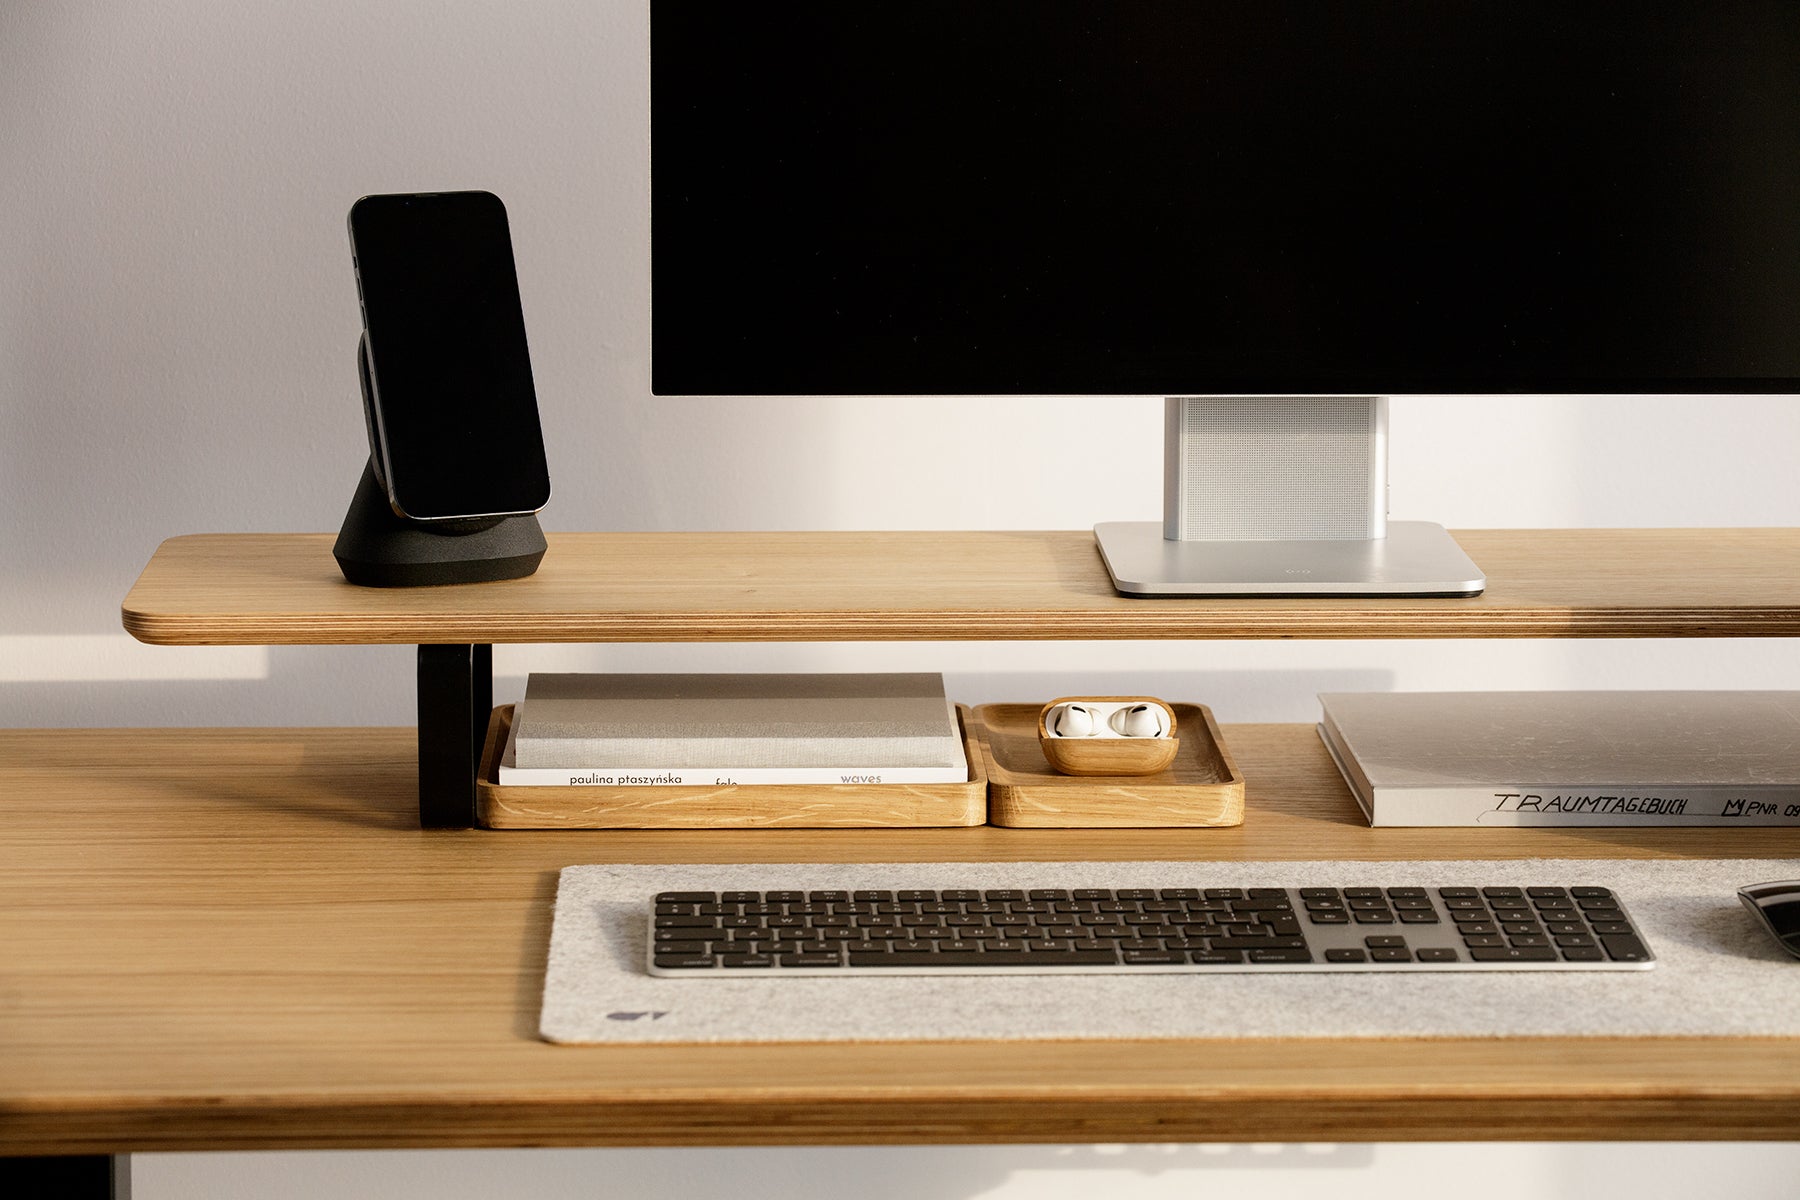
[285, 589]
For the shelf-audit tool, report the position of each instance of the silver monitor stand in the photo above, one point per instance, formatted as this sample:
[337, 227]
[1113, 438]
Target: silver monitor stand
[1280, 496]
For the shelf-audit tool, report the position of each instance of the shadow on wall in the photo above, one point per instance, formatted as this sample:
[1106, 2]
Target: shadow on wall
[1233, 696]
[1419, 1171]
[205, 686]
[811, 1173]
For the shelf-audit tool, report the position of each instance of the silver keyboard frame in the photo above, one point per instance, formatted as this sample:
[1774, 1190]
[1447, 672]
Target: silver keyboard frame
[1319, 940]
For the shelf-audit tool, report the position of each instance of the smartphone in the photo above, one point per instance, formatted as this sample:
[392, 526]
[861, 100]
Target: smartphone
[452, 413]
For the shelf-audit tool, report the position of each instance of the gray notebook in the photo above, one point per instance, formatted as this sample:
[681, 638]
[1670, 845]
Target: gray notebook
[741, 722]
[1568, 758]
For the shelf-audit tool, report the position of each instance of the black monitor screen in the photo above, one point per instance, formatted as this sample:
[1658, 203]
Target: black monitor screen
[1171, 197]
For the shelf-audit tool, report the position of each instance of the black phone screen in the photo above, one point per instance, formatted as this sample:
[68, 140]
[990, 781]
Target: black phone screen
[455, 412]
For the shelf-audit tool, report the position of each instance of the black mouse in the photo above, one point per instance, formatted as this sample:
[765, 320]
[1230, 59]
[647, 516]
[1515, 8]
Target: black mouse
[1777, 906]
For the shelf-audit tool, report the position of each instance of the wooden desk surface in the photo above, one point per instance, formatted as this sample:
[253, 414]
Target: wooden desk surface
[285, 589]
[236, 939]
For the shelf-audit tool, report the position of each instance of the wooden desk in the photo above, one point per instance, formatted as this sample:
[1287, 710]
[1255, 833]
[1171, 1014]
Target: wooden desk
[239, 939]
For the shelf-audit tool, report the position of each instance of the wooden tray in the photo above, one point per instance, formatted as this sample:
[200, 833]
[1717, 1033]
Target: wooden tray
[745, 806]
[1201, 787]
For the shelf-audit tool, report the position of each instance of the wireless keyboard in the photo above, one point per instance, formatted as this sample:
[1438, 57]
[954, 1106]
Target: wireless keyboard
[1151, 930]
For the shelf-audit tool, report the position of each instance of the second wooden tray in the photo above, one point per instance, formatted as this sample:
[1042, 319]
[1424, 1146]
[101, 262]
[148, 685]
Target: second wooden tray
[762, 806]
[1201, 787]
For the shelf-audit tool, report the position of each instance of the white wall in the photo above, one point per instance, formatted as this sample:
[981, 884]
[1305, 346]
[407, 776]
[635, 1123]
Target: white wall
[176, 331]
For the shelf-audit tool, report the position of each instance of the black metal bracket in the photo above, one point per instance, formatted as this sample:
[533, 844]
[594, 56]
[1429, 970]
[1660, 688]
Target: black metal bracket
[456, 697]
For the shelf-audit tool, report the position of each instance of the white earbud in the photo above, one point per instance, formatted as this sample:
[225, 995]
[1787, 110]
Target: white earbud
[1140, 721]
[1072, 720]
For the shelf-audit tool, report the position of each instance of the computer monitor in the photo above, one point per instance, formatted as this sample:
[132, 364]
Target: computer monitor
[1274, 215]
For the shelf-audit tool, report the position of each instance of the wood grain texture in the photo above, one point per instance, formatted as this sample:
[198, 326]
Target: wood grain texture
[240, 939]
[766, 806]
[1201, 787]
[285, 589]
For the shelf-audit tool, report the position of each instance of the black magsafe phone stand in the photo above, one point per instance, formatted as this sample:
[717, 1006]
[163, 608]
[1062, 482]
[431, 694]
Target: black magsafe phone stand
[379, 548]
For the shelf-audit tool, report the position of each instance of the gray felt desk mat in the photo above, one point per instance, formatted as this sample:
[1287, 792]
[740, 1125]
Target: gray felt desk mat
[1717, 972]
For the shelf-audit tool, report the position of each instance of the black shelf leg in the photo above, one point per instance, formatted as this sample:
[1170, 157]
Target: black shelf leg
[456, 696]
[67, 1177]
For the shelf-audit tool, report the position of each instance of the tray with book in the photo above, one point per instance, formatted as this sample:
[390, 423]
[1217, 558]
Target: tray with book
[1200, 787]
[730, 806]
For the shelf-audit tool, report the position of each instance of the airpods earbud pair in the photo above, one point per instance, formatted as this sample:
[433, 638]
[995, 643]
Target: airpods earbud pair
[1093, 718]
[1108, 735]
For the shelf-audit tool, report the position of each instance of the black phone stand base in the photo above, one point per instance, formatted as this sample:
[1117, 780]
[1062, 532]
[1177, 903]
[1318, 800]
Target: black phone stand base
[378, 548]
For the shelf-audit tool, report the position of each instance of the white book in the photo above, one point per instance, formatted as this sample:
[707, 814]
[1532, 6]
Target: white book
[718, 730]
[1568, 758]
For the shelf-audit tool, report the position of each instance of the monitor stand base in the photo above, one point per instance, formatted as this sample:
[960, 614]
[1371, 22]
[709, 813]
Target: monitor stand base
[1416, 558]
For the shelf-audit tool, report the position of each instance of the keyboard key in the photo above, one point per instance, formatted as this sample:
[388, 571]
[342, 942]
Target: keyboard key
[1257, 943]
[684, 962]
[1624, 947]
[1512, 954]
